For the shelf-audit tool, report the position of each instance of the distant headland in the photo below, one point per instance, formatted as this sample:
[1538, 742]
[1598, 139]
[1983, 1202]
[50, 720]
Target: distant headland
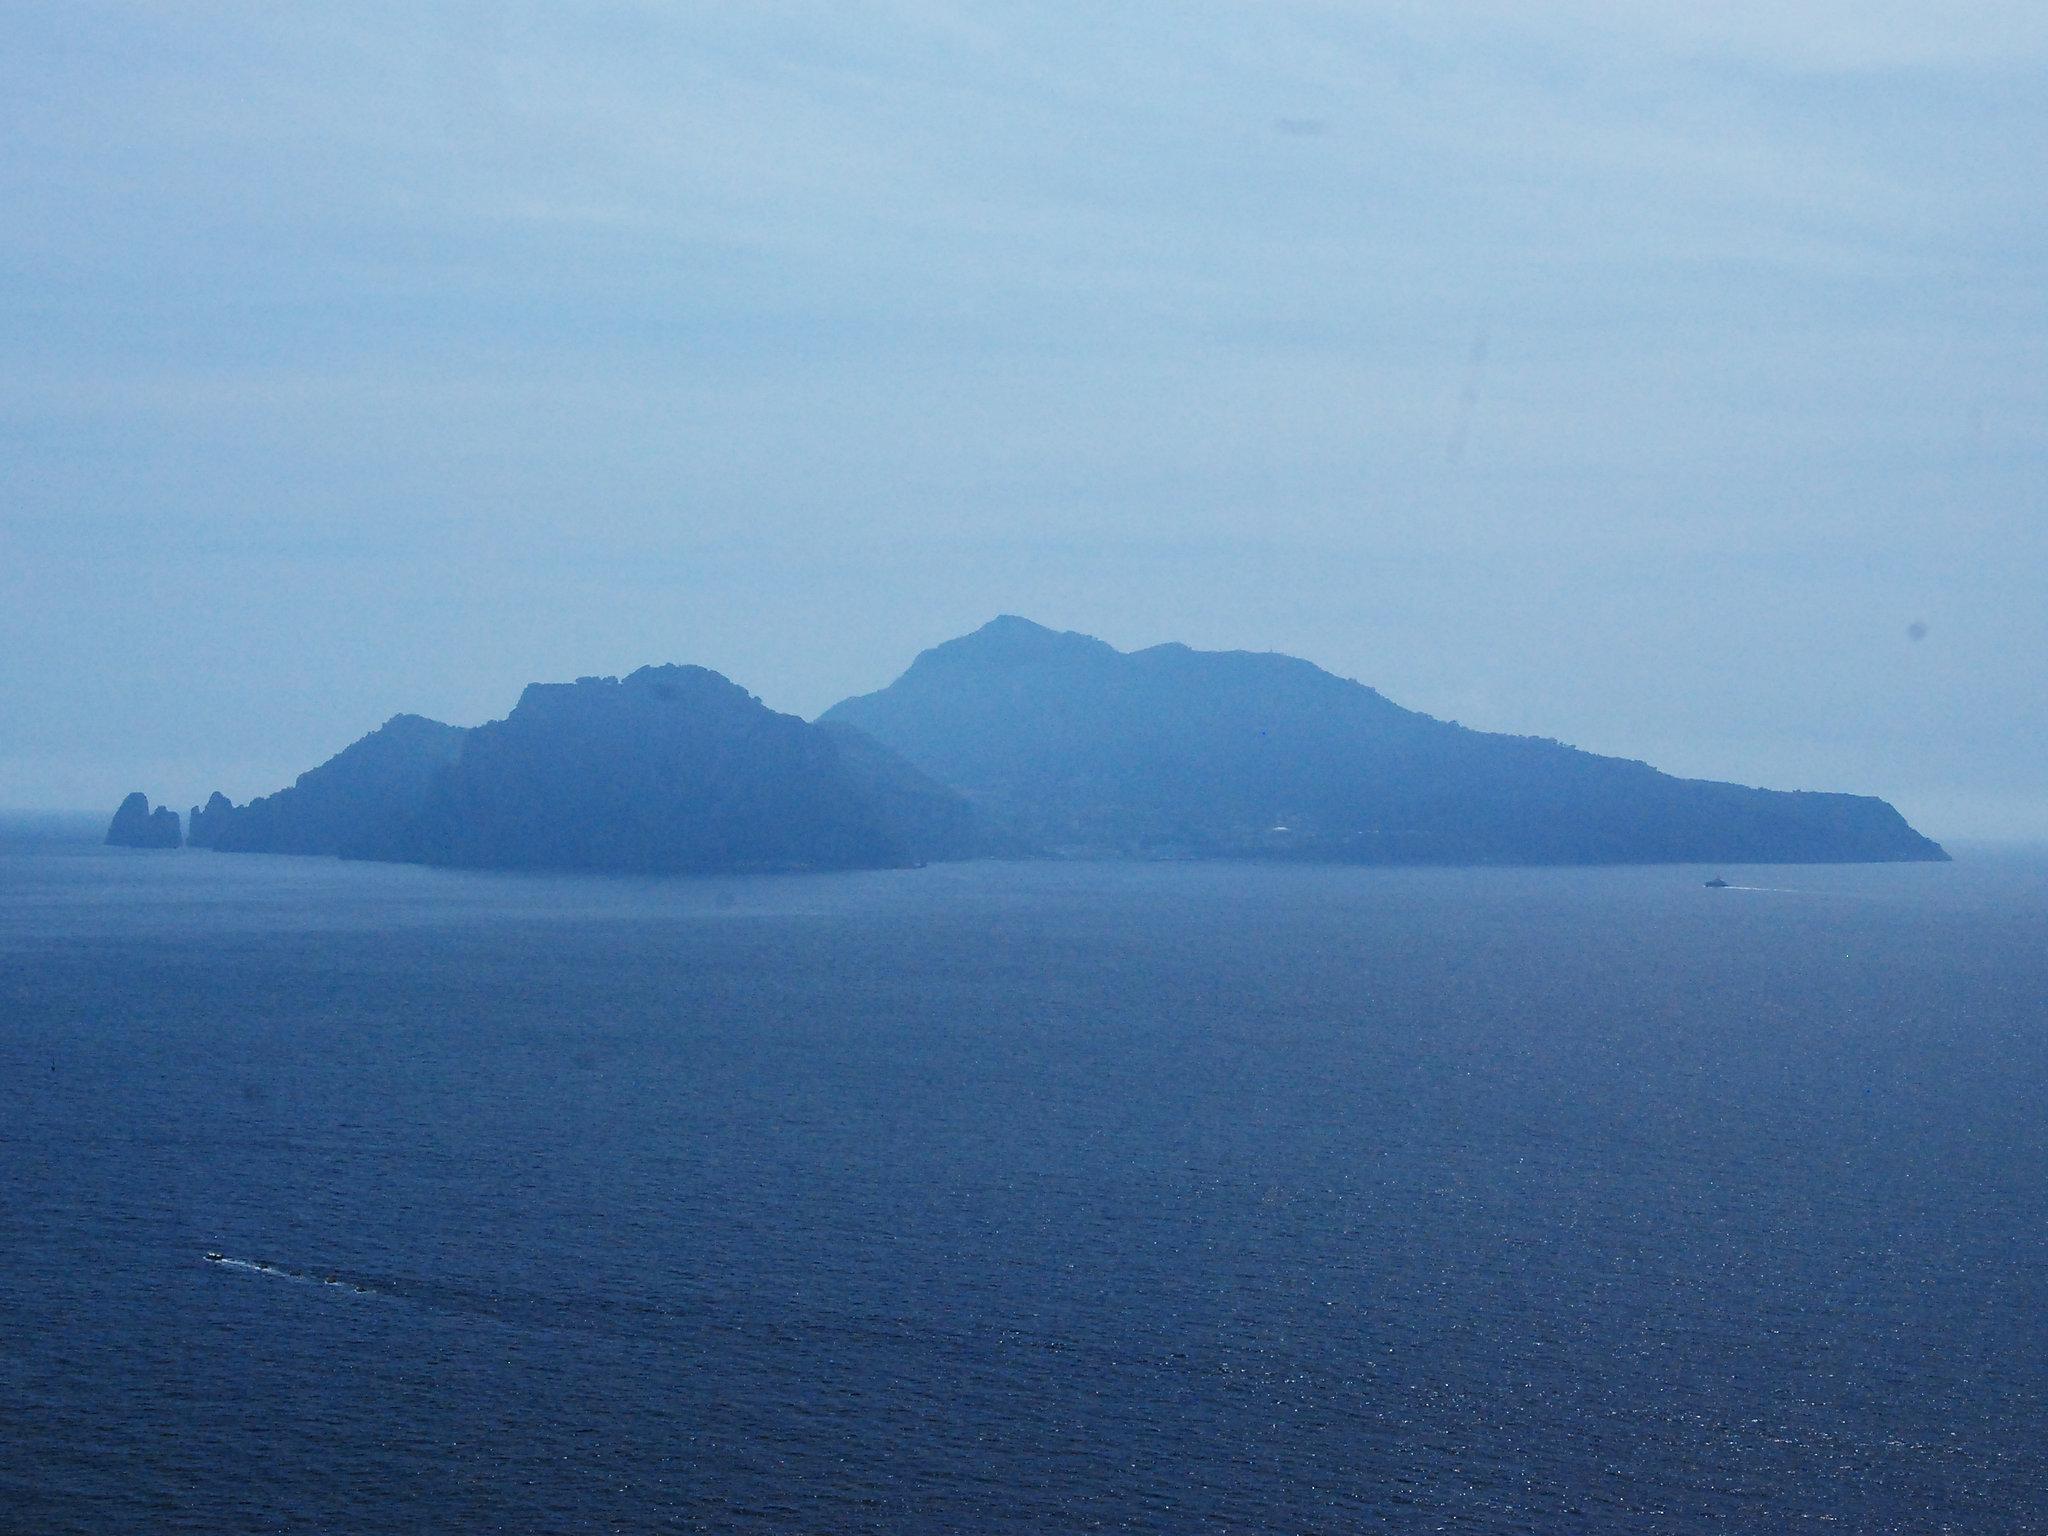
[1013, 740]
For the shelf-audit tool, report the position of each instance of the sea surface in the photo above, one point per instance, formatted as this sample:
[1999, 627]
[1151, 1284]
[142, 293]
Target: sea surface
[1022, 1198]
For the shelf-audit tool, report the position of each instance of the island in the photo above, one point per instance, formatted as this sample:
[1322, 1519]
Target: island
[1015, 740]
[135, 825]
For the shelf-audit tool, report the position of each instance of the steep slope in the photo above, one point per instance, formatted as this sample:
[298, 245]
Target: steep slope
[673, 768]
[135, 825]
[670, 769]
[1076, 745]
[364, 802]
[923, 816]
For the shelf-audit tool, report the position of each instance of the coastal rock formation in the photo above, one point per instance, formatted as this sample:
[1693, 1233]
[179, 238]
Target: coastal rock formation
[204, 822]
[135, 825]
[670, 769]
[674, 768]
[364, 802]
[1074, 745]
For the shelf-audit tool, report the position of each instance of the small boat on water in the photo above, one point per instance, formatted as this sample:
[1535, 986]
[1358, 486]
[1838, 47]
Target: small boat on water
[1717, 884]
[216, 1258]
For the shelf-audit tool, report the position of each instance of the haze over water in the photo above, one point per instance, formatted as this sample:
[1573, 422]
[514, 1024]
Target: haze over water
[1022, 1197]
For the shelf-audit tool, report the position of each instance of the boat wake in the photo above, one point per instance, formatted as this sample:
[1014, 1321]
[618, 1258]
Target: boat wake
[280, 1272]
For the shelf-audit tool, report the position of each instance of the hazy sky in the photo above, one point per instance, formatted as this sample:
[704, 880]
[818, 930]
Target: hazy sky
[1633, 373]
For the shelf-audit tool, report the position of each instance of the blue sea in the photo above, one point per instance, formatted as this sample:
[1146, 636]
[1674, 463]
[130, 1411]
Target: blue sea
[1017, 1197]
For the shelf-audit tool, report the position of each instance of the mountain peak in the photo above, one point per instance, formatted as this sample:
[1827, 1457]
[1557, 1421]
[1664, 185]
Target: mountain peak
[1008, 640]
[1173, 751]
[669, 768]
[1015, 624]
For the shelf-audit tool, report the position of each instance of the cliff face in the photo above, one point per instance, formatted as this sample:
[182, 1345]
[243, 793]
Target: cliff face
[670, 769]
[673, 768]
[135, 825]
[1072, 744]
[364, 802]
[205, 823]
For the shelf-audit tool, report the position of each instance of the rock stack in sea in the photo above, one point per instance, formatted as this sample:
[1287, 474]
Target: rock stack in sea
[135, 825]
